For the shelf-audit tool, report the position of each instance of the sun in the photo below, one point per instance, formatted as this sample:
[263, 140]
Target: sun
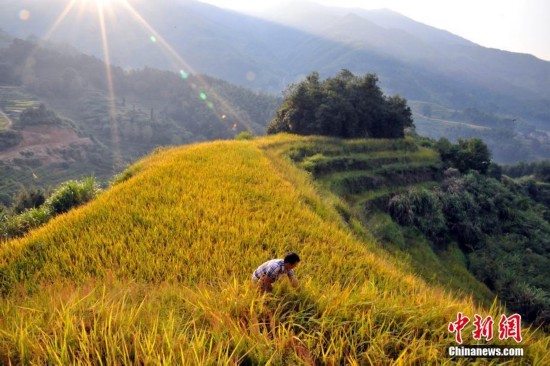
[100, 3]
[106, 12]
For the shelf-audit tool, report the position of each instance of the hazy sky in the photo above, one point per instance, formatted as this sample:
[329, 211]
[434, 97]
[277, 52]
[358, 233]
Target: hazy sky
[512, 25]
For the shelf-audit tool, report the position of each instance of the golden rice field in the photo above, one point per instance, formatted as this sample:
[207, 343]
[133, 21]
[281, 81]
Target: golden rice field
[156, 271]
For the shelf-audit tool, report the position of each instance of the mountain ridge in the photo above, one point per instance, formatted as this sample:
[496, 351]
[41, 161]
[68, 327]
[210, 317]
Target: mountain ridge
[421, 63]
[230, 21]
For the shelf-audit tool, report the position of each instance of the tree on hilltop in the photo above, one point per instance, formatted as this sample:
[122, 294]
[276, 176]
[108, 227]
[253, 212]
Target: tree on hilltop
[345, 106]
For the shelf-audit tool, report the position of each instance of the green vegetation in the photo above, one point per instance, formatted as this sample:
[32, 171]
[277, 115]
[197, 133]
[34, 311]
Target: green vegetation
[32, 210]
[181, 230]
[12, 103]
[71, 194]
[21, 173]
[244, 136]
[466, 155]
[539, 169]
[9, 138]
[151, 107]
[355, 168]
[488, 224]
[497, 227]
[345, 106]
[28, 198]
[156, 270]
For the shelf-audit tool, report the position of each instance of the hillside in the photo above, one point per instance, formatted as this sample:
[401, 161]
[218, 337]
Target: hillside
[41, 152]
[365, 174]
[461, 225]
[103, 131]
[156, 270]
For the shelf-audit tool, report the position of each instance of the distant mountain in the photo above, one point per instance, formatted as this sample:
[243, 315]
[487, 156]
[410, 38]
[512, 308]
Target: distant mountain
[59, 119]
[421, 47]
[229, 45]
[5, 39]
[441, 74]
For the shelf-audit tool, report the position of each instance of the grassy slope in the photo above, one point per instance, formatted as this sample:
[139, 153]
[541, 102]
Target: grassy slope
[156, 270]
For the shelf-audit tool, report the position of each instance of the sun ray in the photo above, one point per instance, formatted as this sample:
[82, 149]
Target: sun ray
[226, 106]
[115, 139]
[60, 18]
[158, 38]
[29, 62]
[104, 7]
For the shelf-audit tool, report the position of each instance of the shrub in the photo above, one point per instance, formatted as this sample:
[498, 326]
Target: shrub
[9, 138]
[18, 225]
[461, 212]
[531, 302]
[245, 135]
[401, 210]
[71, 194]
[420, 208]
[26, 199]
[542, 171]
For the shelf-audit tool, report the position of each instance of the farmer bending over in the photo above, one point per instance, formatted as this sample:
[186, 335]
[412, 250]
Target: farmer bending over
[271, 270]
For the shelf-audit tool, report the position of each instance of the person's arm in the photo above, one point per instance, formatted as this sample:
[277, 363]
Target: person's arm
[292, 280]
[266, 283]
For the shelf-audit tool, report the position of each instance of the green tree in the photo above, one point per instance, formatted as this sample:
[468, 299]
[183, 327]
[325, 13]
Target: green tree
[399, 116]
[345, 106]
[298, 112]
[370, 106]
[542, 171]
[473, 154]
[466, 155]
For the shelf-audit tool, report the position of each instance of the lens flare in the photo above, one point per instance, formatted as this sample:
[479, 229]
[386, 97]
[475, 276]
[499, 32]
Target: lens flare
[108, 9]
[165, 46]
[24, 14]
[251, 76]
